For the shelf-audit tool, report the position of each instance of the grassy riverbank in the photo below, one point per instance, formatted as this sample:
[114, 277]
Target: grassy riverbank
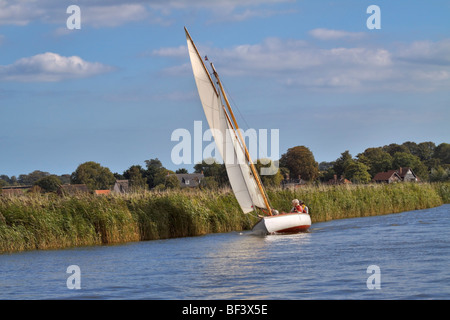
[48, 221]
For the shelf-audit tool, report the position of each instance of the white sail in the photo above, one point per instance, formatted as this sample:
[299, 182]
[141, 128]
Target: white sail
[239, 166]
[239, 174]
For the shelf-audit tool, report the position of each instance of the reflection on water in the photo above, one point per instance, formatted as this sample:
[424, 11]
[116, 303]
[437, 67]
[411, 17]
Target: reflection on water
[329, 262]
[244, 267]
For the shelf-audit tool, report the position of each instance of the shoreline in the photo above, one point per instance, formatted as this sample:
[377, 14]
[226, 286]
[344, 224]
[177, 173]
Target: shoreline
[48, 221]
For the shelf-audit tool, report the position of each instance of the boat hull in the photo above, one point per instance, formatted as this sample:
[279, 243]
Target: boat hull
[283, 223]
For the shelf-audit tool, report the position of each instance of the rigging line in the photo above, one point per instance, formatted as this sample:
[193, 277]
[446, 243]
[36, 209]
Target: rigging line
[252, 133]
[235, 105]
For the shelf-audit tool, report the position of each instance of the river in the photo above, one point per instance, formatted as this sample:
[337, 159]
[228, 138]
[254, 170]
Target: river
[397, 256]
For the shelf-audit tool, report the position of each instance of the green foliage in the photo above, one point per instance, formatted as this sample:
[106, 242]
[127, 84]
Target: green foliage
[341, 163]
[156, 173]
[172, 182]
[269, 180]
[31, 178]
[211, 168]
[376, 160]
[357, 172]
[136, 177]
[93, 175]
[442, 152]
[350, 201]
[49, 183]
[300, 162]
[439, 174]
[47, 221]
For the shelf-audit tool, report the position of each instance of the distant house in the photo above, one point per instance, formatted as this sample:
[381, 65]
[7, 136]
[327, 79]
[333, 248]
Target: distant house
[14, 190]
[407, 175]
[72, 189]
[402, 174]
[387, 177]
[189, 180]
[121, 186]
[292, 183]
[336, 181]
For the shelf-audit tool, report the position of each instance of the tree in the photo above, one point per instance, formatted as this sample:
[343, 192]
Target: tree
[357, 172]
[136, 177]
[4, 180]
[439, 174]
[376, 160]
[156, 173]
[172, 182]
[403, 159]
[412, 147]
[65, 178]
[442, 152]
[49, 184]
[93, 175]
[211, 168]
[300, 162]
[394, 147]
[341, 163]
[31, 178]
[324, 165]
[181, 170]
[273, 180]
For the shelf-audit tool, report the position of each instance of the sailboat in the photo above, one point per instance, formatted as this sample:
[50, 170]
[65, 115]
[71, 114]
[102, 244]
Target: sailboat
[242, 174]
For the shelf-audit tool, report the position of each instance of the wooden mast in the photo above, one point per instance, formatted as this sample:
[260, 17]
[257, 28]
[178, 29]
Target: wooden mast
[247, 154]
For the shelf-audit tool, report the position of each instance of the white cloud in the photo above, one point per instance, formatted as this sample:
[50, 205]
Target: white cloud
[171, 52]
[329, 34]
[48, 67]
[19, 12]
[112, 13]
[297, 63]
[426, 52]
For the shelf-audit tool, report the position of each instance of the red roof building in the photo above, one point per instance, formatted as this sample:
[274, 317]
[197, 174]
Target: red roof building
[402, 174]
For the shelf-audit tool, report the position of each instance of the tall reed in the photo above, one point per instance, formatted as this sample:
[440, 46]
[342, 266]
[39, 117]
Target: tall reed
[48, 221]
[349, 201]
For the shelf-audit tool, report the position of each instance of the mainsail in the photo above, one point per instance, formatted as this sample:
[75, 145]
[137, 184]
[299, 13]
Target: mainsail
[241, 178]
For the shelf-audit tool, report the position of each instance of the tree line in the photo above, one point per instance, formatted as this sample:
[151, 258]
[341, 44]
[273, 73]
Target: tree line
[428, 161]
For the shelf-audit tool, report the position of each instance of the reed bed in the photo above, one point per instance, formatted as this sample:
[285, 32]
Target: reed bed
[349, 201]
[48, 221]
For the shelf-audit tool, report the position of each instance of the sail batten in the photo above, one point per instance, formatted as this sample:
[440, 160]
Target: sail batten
[242, 181]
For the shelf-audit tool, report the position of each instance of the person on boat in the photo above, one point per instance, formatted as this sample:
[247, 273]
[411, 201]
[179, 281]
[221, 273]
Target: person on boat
[296, 206]
[304, 207]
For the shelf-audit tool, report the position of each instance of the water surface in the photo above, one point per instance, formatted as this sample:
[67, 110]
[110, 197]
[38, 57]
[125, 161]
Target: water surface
[411, 250]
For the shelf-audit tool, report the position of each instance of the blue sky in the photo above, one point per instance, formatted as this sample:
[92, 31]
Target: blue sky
[115, 90]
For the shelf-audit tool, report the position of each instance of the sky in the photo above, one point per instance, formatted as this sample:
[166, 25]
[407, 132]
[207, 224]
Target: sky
[114, 90]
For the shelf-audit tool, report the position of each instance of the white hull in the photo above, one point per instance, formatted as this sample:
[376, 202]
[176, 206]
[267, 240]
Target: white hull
[283, 223]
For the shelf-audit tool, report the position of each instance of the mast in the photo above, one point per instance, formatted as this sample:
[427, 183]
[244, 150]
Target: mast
[247, 154]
